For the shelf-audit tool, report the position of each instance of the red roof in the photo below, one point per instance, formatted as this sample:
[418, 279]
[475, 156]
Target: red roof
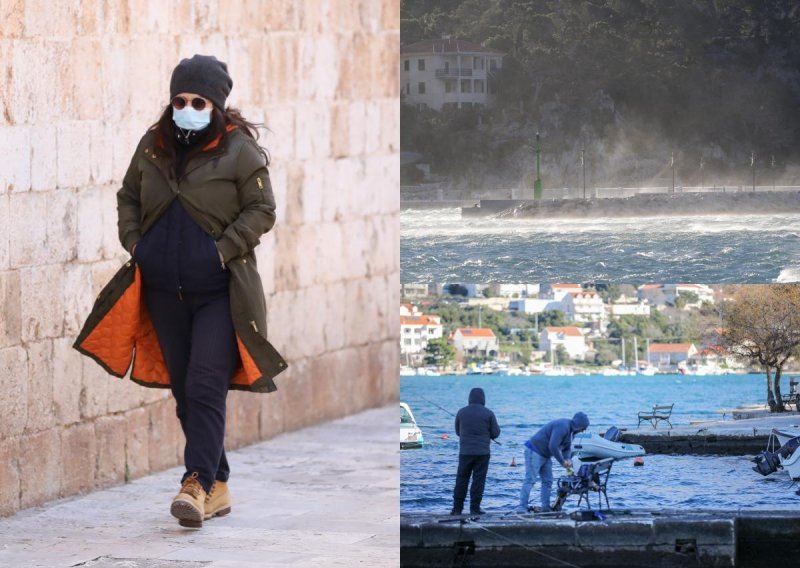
[584, 294]
[650, 286]
[670, 347]
[475, 332]
[578, 286]
[446, 46]
[417, 320]
[570, 331]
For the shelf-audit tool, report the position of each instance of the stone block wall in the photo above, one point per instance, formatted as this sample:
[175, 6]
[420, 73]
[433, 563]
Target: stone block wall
[80, 82]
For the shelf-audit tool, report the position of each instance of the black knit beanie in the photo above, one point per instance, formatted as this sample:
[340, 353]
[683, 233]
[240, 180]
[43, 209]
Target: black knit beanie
[204, 75]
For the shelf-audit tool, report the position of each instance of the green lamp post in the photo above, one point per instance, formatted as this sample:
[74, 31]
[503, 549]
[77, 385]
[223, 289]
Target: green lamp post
[537, 185]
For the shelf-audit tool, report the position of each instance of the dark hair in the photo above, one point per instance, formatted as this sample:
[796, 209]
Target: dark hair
[165, 130]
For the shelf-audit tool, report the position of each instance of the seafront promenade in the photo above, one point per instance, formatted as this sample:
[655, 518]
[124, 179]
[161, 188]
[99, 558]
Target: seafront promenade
[300, 499]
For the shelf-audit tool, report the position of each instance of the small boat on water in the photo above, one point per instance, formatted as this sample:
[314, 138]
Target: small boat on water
[410, 434]
[587, 446]
[786, 457]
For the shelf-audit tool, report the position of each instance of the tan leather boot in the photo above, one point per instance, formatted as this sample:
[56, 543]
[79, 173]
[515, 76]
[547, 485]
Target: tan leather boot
[188, 506]
[218, 500]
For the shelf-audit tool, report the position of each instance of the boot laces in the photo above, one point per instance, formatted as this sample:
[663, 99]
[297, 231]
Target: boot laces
[191, 486]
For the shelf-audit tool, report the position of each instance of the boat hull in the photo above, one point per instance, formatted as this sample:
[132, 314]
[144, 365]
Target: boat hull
[592, 446]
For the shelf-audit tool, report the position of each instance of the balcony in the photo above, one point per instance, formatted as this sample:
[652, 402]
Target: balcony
[453, 72]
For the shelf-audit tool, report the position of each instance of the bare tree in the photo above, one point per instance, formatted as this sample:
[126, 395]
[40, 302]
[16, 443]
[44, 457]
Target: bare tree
[762, 325]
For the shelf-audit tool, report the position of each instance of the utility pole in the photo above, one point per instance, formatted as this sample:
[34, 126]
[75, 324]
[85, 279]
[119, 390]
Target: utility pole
[753, 167]
[672, 163]
[624, 366]
[583, 167]
[648, 352]
[636, 354]
[702, 178]
[537, 185]
[772, 163]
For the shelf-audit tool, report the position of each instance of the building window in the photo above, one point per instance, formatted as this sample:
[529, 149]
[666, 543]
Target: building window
[408, 341]
[407, 65]
[420, 65]
[421, 88]
[479, 86]
[466, 85]
[449, 86]
[492, 64]
[408, 88]
[477, 62]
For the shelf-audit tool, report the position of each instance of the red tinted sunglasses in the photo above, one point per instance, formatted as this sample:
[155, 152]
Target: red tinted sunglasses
[198, 103]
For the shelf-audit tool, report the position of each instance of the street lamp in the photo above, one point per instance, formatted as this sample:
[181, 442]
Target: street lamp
[583, 167]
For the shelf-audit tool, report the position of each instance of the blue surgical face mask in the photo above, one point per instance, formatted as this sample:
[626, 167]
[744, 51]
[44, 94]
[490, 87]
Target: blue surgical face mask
[191, 119]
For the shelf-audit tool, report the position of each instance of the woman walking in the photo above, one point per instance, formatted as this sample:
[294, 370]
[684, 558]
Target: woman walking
[188, 309]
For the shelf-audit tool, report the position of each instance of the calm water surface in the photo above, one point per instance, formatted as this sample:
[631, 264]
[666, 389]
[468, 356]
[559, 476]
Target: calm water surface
[522, 404]
[438, 246]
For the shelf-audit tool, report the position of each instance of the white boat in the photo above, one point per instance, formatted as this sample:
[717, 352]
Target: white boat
[785, 434]
[589, 446]
[792, 463]
[410, 434]
[407, 371]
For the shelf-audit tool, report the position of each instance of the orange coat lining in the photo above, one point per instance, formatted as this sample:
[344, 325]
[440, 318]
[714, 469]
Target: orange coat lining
[128, 325]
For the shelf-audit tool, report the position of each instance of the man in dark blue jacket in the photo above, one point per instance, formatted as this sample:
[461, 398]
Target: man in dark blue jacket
[476, 426]
[553, 440]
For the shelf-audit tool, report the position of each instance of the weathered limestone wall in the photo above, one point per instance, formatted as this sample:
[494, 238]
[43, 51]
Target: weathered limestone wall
[79, 84]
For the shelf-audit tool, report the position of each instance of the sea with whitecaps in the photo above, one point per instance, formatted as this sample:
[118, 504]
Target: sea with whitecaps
[437, 245]
[524, 403]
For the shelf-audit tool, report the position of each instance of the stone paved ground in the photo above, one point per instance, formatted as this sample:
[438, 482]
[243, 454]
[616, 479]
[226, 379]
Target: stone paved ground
[327, 495]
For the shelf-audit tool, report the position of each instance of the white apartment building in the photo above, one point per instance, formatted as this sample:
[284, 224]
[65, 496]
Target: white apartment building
[629, 309]
[440, 72]
[666, 356]
[558, 291]
[534, 305]
[570, 338]
[416, 331]
[662, 294]
[475, 341]
[515, 290]
[584, 307]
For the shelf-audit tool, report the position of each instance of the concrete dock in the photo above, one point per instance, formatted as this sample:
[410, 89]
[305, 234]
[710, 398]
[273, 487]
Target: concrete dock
[647, 204]
[622, 538]
[721, 437]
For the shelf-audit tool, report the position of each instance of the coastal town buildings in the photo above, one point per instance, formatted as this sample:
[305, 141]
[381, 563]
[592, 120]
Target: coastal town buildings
[440, 73]
[558, 291]
[570, 338]
[664, 294]
[416, 331]
[667, 356]
[534, 305]
[584, 307]
[475, 341]
[616, 310]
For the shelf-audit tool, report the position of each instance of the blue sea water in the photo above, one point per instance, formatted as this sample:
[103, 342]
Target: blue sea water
[523, 404]
[440, 246]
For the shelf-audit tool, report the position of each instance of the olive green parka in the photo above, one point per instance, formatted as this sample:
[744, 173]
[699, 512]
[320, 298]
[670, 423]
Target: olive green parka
[226, 190]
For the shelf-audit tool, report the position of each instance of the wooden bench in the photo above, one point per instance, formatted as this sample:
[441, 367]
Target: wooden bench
[658, 414]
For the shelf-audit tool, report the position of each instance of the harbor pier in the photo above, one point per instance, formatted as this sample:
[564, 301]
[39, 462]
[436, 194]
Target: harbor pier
[618, 538]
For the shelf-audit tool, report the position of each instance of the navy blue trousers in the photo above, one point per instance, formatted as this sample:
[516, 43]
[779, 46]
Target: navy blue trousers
[198, 341]
[477, 467]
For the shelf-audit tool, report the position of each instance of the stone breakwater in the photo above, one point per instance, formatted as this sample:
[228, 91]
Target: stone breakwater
[644, 205]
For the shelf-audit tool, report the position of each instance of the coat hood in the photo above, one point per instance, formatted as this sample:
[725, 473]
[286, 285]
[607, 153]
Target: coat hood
[579, 422]
[476, 396]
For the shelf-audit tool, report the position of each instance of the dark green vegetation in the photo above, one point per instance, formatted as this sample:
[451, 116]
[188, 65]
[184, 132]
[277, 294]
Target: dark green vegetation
[632, 80]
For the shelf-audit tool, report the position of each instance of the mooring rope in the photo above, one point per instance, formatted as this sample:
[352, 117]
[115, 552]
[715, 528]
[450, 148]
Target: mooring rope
[512, 541]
